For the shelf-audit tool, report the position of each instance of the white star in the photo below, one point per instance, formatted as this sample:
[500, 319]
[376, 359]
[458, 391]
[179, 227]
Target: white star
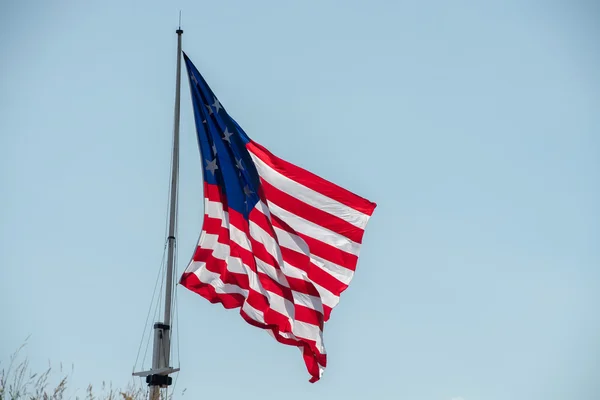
[216, 105]
[238, 164]
[210, 111]
[247, 191]
[212, 166]
[214, 149]
[204, 121]
[227, 136]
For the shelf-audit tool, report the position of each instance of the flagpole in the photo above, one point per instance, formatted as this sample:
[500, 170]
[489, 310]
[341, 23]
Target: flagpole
[174, 181]
[158, 377]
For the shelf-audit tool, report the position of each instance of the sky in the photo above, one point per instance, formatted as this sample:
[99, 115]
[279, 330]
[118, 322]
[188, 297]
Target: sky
[473, 125]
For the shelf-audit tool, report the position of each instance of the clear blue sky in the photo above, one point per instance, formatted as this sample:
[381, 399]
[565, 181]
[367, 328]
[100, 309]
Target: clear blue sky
[475, 126]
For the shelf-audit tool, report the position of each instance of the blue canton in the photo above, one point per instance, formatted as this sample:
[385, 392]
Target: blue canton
[225, 160]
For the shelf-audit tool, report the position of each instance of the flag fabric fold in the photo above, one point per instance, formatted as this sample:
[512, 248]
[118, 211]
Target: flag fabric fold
[278, 242]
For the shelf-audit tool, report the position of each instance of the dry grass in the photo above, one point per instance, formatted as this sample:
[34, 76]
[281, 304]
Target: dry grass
[18, 382]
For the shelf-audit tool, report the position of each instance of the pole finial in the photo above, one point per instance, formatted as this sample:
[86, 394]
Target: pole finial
[179, 31]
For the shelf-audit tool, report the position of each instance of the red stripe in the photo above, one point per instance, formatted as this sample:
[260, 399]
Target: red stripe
[310, 354]
[229, 300]
[302, 286]
[295, 284]
[312, 364]
[299, 260]
[263, 222]
[211, 225]
[213, 193]
[219, 266]
[308, 315]
[315, 273]
[310, 213]
[319, 248]
[311, 180]
[273, 328]
[327, 312]
[276, 322]
[258, 252]
[302, 342]
[236, 219]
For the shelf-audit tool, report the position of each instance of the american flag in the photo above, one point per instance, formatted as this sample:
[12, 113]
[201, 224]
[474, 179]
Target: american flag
[277, 242]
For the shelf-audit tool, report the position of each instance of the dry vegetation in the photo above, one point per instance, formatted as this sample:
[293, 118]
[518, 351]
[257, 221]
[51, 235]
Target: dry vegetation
[18, 382]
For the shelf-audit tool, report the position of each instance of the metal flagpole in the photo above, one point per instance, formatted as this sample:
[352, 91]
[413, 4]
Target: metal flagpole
[174, 178]
[158, 377]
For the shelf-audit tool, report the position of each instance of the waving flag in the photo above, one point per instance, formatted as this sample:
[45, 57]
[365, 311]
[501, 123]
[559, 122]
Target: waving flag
[277, 241]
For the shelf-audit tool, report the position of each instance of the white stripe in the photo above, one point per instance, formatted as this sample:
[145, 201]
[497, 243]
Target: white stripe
[213, 279]
[234, 264]
[272, 249]
[308, 195]
[221, 251]
[294, 242]
[309, 331]
[262, 207]
[281, 305]
[315, 231]
[326, 297]
[253, 313]
[286, 239]
[271, 272]
[340, 273]
[288, 335]
[308, 301]
[329, 299]
[264, 237]
[291, 271]
[214, 209]
[276, 302]
[300, 329]
[239, 237]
